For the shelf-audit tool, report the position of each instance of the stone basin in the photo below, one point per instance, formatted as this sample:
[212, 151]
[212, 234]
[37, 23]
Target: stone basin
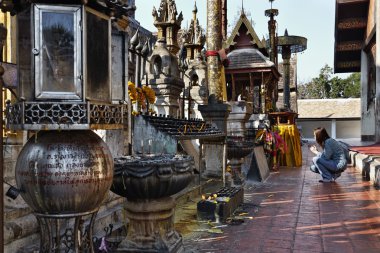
[151, 176]
[238, 148]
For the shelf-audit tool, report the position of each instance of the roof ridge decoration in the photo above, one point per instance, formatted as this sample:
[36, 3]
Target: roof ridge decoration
[195, 34]
[168, 22]
[167, 13]
[235, 33]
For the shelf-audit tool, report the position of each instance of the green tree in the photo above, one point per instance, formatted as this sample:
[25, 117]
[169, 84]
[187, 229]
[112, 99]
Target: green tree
[326, 86]
[353, 87]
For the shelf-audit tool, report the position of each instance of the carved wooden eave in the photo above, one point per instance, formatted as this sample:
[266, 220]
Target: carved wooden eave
[243, 20]
[349, 46]
[351, 17]
[352, 23]
[348, 64]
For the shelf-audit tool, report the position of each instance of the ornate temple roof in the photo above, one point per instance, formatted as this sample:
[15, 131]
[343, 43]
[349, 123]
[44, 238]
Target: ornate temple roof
[167, 13]
[243, 35]
[194, 35]
[248, 58]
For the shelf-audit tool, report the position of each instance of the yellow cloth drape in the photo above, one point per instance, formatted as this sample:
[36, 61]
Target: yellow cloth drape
[293, 154]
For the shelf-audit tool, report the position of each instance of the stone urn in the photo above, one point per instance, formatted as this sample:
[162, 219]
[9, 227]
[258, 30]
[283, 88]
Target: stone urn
[238, 148]
[238, 145]
[148, 183]
[64, 176]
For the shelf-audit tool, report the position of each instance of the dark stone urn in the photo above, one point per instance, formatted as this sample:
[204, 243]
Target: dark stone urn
[148, 183]
[237, 148]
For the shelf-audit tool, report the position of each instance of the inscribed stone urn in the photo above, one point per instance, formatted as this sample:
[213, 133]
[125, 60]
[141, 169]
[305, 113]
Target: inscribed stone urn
[64, 172]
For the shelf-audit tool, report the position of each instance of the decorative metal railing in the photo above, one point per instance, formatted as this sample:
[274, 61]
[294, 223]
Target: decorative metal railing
[63, 115]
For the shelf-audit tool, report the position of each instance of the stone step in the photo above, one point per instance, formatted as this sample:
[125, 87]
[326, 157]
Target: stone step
[368, 165]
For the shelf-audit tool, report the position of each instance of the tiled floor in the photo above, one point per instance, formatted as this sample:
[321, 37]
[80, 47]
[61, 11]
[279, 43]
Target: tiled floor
[293, 212]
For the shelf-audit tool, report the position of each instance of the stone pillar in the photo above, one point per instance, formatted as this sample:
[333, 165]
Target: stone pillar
[333, 128]
[216, 114]
[216, 111]
[286, 53]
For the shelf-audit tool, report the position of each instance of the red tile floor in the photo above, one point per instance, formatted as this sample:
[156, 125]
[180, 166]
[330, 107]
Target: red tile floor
[293, 212]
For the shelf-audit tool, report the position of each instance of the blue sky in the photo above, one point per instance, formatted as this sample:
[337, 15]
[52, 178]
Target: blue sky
[313, 19]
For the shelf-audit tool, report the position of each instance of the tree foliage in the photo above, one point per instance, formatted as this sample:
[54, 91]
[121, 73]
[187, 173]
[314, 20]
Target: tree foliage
[327, 86]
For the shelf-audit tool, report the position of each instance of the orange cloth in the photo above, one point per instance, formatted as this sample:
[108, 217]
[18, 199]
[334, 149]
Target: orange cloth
[291, 136]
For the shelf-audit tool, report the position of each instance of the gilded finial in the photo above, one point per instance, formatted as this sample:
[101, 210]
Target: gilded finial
[195, 10]
[271, 2]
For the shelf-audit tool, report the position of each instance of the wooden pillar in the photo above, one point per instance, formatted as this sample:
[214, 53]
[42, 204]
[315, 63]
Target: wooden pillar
[233, 88]
[251, 87]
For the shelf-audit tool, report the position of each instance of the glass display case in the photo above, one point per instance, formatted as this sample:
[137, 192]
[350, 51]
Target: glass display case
[57, 51]
[64, 70]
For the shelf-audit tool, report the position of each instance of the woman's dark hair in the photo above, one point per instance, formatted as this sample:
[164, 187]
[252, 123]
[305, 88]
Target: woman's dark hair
[321, 135]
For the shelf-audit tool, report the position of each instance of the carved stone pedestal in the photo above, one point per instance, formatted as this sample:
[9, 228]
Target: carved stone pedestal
[237, 177]
[148, 183]
[216, 114]
[151, 227]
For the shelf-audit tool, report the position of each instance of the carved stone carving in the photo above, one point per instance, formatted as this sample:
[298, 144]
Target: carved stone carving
[168, 22]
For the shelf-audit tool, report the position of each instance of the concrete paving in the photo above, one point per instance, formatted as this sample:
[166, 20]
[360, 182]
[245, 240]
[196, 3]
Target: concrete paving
[293, 212]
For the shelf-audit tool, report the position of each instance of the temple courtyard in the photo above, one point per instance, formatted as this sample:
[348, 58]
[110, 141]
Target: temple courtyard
[292, 212]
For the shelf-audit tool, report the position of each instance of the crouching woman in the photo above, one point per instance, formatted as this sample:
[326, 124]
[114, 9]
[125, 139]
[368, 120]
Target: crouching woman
[332, 160]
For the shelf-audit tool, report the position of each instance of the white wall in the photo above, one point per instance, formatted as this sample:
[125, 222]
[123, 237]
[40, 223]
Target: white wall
[348, 129]
[308, 126]
[345, 129]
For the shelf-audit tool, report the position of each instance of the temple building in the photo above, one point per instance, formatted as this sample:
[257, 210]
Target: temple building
[250, 75]
[357, 31]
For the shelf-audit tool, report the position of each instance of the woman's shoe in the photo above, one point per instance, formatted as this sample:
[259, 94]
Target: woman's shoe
[325, 180]
[314, 169]
[336, 175]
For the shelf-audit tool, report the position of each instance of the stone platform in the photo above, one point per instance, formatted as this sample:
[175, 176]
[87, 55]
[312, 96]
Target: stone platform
[292, 212]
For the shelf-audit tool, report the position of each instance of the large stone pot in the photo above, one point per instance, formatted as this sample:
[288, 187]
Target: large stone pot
[237, 149]
[152, 176]
[148, 183]
[237, 144]
[64, 172]
[64, 175]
